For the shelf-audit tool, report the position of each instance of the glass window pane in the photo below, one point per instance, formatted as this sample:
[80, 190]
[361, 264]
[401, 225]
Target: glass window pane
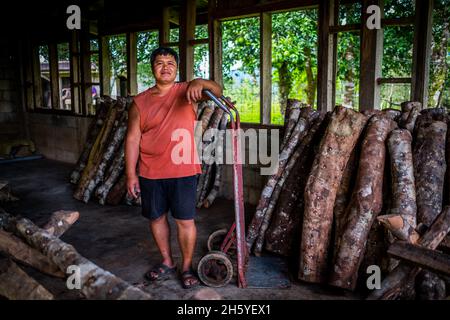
[174, 35]
[347, 70]
[94, 44]
[397, 51]
[201, 61]
[350, 13]
[118, 61]
[398, 8]
[241, 46]
[65, 92]
[294, 60]
[201, 31]
[44, 61]
[393, 94]
[146, 43]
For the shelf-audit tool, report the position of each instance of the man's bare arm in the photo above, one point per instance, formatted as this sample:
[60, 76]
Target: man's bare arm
[195, 89]
[132, 150]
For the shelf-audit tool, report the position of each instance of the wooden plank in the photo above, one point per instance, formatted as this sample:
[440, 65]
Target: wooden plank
[326, 56]
[404, 22]
[432, 260]
[215, 50]
[421, 51]
[164, 29]
[370, 63]
[187, 32]
[265, 67]
[85, 63]
[37, 83]
[54, 81]
[74, 71]
[346, 28]
[393, 80]
[198, 41]
[105, 67]
[242, 11]
[28, 74]
[132, 86]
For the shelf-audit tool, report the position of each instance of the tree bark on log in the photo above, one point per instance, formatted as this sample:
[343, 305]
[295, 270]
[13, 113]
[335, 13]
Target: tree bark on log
[115, 170]
[401, 220]
[290, 119]
[281, 234]
[392, 114]
[365, 205]
[309, 117]
[23, 253]
[16, 284]
[93, 131]
[410, 112]
[98, 148]
[96, 283]
[429, 169]
[320, 192]
[253, 229]
[393, 285]
[207, 113]
[58, 223]
[114, 144]
[118, 191]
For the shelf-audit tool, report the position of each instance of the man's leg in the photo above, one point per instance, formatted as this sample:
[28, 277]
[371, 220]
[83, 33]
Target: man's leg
[187, 236]
[161, 234]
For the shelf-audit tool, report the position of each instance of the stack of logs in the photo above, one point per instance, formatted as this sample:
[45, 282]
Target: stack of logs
[99, 171]
[24, 243]
[348, 185]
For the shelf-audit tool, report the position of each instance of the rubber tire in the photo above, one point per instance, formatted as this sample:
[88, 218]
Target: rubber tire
[213, 236]
[222, 261]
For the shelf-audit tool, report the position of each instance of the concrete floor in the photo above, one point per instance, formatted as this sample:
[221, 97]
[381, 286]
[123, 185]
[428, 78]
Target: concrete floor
[118, 238]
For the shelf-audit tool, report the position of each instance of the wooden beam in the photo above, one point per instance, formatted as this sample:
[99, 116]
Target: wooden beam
[105, 67]
[187, 33]
[346, 28]
[132, 63]
[215, 51]
[265, 67]
[393, 80]
[75, 71]
[404, 22]
[199, 41]
[432, 260]
[27, 52]
[326, 56]
[37, 82]
[164, 29]
[85, 63]
[421, 51]
[370, 64]
[54, 80]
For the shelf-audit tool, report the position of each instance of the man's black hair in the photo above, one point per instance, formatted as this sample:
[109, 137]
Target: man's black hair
[163, 51]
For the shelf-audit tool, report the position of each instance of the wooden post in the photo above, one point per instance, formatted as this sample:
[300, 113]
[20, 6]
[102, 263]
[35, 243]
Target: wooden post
[85, 63]
[421, 51]
[37, 82]
[54, 81]
[132, 87]
[187, 32]
[164, 29]
[27, 59]
[75, 72]
[265, 67]
[215, 47]
[326, 56]
[370, 63]
[105, 67]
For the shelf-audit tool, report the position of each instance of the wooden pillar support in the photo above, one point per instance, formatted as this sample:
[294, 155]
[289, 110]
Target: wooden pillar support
[187, 32]
[132, 86]
[421, 51]
[105, 67]
[54, 79]
[265, 67]
[215, 45]
[370, 63]
[326, 56]
[164, 29]
[75, 71]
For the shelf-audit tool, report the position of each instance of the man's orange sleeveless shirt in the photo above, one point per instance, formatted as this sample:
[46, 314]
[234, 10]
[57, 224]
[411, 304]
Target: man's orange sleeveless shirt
[159, 118]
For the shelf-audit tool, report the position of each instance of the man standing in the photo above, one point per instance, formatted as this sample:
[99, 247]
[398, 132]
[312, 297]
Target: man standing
[164, 185]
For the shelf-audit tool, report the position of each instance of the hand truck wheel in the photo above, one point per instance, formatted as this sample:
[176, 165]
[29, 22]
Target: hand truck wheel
[215, 269]
[215, 240]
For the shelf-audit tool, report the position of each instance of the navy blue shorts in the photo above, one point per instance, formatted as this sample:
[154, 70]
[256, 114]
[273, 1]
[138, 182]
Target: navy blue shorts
[177, 195]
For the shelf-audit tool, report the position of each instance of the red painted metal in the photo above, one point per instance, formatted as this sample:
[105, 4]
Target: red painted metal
[236, 234]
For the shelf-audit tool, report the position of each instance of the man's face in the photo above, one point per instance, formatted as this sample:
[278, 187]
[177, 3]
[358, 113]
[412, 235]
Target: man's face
[165, 69]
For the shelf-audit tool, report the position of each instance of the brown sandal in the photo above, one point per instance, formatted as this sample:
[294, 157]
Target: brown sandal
[160, 272]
